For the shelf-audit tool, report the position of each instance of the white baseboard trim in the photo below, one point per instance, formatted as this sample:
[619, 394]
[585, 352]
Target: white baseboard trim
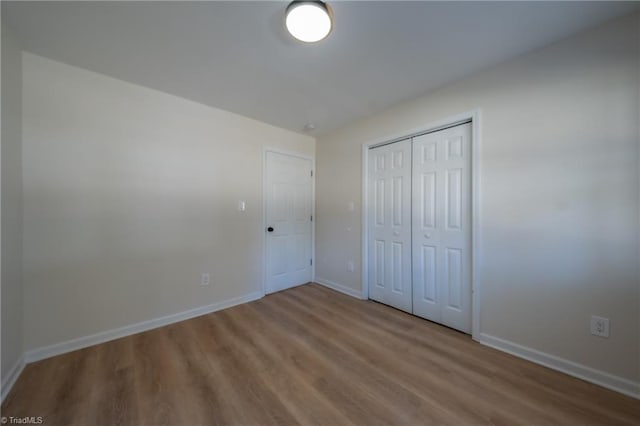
[571, 368]
[105, 336]
[339, 287]
[10, 379]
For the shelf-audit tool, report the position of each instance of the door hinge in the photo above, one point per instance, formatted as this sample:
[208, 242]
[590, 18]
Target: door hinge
[311, 262]
[311, 218]
[311, 173]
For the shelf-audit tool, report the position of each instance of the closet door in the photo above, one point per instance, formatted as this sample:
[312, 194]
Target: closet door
[389, 218]
[441, 247]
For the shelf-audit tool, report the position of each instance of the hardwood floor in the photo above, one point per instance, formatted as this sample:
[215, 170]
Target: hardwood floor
[307, 355]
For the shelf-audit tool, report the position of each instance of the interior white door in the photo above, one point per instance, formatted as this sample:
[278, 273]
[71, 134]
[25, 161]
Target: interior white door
[390, 224]
[441, 248]
[288, 221]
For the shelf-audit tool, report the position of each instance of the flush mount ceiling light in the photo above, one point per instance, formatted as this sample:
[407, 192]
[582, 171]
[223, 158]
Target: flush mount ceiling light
[308, 21]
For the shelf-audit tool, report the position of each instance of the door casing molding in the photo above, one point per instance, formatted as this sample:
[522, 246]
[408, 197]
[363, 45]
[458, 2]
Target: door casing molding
[476, 260]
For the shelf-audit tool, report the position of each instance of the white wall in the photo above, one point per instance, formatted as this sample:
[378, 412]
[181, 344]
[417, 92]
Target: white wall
[559, 207]
[129, 194]
[12, 342]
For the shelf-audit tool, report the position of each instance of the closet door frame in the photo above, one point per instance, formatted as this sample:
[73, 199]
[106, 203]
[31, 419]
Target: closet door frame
[475, 117]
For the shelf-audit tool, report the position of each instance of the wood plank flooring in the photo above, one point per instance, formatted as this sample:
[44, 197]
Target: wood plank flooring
[307, 356]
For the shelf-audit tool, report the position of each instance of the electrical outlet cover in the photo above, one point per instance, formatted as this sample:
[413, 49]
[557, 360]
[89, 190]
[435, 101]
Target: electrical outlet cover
[350, 266]
[205, 279]
[599, 326]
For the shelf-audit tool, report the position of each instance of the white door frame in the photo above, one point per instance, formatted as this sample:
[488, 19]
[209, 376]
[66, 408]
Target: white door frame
[312, 158]
[475, 117]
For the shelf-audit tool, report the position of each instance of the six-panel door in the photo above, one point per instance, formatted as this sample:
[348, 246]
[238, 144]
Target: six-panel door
[419, 216]
[288, 217]
[441, 233]
[390, 224]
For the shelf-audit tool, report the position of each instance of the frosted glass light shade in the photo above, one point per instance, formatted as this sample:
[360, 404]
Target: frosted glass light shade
[308, 21]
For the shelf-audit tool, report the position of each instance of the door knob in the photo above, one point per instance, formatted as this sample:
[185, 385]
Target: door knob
[270, 229]
[427, 235]
[396, 233]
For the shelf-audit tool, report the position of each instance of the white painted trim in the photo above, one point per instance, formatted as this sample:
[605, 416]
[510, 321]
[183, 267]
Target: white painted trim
[425, 128]
[364, 207]
[476, 143]
[571, 368]
[476, 200]
[340, 288]
[638, 216]
[315, 219]
[10, 379]
[105, 336]
[311, 158]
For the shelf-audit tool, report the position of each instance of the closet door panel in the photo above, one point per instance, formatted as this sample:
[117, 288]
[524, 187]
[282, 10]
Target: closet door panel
[441, 233]
[389, 219]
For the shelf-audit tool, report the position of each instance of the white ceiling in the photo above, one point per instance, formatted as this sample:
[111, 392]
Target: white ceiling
[236, 55]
